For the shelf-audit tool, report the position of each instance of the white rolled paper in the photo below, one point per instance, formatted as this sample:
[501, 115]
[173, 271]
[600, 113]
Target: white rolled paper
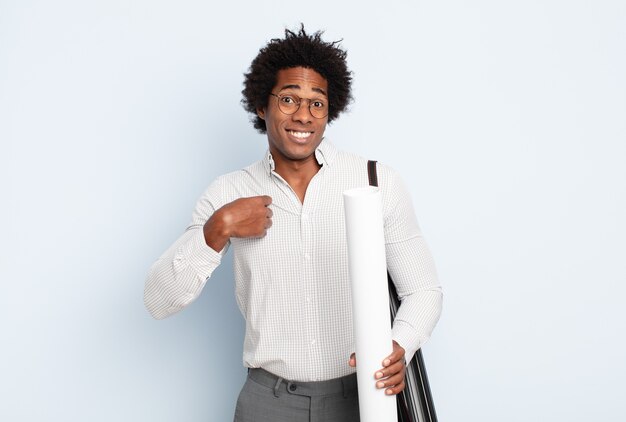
[367, 265]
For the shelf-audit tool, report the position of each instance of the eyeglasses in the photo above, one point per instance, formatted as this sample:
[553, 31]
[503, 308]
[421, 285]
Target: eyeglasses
[290, 104]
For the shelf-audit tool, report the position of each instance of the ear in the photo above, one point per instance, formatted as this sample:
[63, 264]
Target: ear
[261, 113]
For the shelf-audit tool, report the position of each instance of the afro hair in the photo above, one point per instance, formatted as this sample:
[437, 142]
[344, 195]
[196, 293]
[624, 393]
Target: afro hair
[297, 50]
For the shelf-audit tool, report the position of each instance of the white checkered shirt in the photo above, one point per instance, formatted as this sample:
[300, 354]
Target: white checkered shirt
[292, 286]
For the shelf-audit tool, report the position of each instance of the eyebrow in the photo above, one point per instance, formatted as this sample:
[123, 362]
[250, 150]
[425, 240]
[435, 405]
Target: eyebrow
[295, 86]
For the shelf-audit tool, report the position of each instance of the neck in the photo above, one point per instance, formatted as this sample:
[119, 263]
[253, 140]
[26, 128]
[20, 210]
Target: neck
[298, 174]
[297, 171]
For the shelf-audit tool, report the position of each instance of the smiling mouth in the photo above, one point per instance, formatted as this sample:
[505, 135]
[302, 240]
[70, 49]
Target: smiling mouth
[299, 135]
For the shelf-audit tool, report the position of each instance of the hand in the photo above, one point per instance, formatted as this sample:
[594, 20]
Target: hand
[244, 217]
[391, 375]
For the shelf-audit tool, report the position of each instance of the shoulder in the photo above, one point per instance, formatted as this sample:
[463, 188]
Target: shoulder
[232, 185]
[238, 179]
[351, 162]
[392, 188]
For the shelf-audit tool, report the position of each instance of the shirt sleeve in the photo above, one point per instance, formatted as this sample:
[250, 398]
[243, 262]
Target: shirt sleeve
[176, 279]
[412, 269]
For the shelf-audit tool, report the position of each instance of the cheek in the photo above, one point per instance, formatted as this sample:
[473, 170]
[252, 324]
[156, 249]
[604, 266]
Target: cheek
[274, 127]
[273, 120]
[322, 125]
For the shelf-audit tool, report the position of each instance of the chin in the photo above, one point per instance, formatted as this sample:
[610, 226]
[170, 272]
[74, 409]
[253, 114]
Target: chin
[300, 149]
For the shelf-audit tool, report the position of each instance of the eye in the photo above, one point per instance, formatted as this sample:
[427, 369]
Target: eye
[318, 104]
[289, 100]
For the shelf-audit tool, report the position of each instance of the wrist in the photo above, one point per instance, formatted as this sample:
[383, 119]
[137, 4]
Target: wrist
[216, 234]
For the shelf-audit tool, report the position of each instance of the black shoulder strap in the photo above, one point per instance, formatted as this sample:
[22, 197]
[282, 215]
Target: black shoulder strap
[371, 173]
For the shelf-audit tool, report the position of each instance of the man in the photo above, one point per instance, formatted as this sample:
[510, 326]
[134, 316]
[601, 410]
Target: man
[283, 217]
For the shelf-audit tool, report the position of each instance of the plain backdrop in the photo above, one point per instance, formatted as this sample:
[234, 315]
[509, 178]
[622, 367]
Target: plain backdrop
[506, 119]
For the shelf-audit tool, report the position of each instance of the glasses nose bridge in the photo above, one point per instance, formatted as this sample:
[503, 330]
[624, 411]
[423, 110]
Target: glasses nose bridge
[299, 102]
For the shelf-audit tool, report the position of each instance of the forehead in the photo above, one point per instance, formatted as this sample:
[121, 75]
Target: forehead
[300, 79]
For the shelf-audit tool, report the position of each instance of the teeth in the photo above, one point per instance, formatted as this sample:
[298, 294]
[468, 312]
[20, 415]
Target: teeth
[300, 134]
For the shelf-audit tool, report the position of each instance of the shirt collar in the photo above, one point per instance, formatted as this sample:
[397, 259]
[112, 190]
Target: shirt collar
[324, 154]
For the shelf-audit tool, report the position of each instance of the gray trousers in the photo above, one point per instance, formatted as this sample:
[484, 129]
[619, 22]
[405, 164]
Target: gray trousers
[268, 398]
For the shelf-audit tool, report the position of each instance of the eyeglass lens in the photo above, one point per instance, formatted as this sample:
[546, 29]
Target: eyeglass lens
[289, 104]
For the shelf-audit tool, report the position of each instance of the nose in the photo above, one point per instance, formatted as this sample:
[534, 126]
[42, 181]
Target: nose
[303, 115]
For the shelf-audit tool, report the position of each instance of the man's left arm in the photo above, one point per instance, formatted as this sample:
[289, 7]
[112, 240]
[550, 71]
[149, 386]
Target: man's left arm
[413, 272]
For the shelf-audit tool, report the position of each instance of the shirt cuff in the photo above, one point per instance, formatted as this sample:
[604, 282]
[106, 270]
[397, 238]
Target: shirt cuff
[407, 337]
[200, 256]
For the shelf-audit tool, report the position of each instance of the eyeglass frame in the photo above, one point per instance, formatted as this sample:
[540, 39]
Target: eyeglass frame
[299, 104]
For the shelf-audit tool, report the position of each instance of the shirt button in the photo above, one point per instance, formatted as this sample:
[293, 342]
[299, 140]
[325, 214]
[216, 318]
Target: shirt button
[305, 216]
[307, 256]
[313, 342]
[308, 299]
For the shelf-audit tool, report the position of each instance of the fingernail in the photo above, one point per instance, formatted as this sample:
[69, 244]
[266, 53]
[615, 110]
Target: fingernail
[386, 362]
[380, 384]
[388, 392]
[378, 375]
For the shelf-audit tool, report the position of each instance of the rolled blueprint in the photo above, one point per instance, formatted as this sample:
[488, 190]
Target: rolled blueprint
[367, 265]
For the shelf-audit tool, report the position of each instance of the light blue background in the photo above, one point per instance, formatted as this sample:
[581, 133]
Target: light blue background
[507, 121]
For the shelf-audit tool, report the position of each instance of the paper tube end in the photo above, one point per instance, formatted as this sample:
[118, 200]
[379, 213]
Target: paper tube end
[359, 192]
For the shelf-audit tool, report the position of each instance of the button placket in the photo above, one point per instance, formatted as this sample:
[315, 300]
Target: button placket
[308, 252]
[308, 283]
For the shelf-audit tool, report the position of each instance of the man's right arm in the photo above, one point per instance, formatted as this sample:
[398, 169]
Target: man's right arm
[178, 276]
